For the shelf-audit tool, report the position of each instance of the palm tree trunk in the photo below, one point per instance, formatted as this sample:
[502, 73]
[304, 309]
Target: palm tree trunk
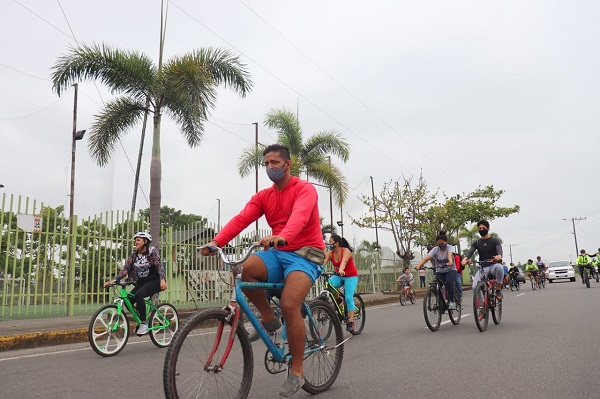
[137, 170]
[155, 177]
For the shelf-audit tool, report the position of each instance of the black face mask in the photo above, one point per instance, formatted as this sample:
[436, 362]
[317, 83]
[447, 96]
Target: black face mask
[483, 232]
[442, 246]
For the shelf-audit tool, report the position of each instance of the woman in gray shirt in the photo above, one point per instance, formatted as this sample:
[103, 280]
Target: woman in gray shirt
[445, 270]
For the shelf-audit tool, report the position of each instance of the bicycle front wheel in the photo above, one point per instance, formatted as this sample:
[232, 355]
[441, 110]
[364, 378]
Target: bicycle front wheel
[586, 278]
[108, 331]
[456, 314]
[193, 362]
[497, 312]
[402, 298]
[480, 307]
[360, 315]
[431, 309]
[321, 367]
[164, 322]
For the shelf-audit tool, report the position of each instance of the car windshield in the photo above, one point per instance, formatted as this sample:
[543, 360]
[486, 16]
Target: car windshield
[562, 263]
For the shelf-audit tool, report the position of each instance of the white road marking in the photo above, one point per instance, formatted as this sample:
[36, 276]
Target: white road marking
[521, 294]
[448, 321]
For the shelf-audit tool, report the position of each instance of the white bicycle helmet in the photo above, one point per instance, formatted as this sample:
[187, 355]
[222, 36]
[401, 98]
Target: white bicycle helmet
[143, 234]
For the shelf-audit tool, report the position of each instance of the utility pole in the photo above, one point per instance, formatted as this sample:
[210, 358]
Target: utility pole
[256, 169]
[573, 219]
[330, 202]
[376, 235]
[218, 214]
[77, 135]
[510, 251]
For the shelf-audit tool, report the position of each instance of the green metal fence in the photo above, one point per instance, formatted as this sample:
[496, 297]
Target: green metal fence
[37, 281]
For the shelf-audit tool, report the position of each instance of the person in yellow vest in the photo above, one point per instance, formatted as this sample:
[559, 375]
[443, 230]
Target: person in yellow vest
[583, 261]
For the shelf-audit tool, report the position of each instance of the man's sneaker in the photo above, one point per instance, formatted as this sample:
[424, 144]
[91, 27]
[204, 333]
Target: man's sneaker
[291, 385]
[499, 295]
[451, 306]
[142, 329]
[350, 326]
[272, 326]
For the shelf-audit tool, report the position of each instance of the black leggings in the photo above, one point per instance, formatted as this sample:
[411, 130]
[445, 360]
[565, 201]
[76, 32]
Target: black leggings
[144, 290]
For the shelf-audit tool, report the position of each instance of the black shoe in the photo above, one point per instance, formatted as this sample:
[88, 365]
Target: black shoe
[350, 327]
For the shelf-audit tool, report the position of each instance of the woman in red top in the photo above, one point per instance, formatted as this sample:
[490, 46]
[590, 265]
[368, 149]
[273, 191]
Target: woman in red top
[340, 255]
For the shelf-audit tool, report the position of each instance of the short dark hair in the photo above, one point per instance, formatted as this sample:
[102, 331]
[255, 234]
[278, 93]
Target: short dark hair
[483, 222]
[406, 268]
[442, 236]
[283, 151]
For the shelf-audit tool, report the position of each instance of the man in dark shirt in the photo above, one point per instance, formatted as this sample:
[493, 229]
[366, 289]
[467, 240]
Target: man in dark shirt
[489, 249]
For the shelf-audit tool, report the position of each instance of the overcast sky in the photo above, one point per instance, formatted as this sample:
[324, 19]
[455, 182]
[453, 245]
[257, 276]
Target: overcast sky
[472, 93]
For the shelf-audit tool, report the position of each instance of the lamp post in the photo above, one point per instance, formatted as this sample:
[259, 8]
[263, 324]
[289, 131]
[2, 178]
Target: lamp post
[218, 214]
[76, 135]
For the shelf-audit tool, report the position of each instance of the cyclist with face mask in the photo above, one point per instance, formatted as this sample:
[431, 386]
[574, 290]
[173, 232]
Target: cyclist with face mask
[443, 258]
[290, 207]
[489, 250]
[346, 274]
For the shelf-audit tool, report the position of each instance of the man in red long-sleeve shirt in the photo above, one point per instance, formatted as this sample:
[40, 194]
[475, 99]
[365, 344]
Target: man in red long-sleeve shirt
[291, 209]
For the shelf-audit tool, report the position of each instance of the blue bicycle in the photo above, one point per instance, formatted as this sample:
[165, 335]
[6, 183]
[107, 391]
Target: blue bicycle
[210, 356]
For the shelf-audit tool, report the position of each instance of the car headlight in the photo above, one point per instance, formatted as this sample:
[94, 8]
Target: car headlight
[571, 269]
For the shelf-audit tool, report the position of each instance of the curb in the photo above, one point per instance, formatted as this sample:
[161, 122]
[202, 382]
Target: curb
[70, 336]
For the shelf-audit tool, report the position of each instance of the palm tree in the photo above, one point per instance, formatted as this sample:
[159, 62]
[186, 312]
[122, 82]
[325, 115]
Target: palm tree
[185, 87]
[311, 157]
[469, 234]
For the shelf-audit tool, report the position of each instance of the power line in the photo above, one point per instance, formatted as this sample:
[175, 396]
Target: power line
[45, 20]
[33, 113]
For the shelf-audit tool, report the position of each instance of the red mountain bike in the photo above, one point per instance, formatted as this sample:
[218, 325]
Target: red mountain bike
[484, 299]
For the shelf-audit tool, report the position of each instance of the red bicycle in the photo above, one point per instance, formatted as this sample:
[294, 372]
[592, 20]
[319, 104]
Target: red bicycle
[484, 299]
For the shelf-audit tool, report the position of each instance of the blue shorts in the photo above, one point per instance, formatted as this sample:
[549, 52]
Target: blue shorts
[281, 263]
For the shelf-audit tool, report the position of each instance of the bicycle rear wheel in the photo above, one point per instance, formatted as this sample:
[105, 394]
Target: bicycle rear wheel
[360, 315]
[456, 314]
[164, 322]
[402, 298]
[187, 370]
[411, 296]
[321, 367]
[108, 331]
[480, 307]
[431, 309]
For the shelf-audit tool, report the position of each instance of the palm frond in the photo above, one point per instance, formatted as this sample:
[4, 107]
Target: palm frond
[224, 68]
[126, 72]
[249, 159]
[117, 116]
[328, 142]
[286, 124]
[330, 176]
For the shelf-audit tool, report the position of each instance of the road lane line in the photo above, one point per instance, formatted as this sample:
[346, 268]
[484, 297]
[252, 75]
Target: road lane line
[521, 294]
[448, 321]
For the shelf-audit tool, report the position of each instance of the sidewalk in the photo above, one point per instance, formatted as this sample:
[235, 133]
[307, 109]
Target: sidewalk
[33, 333]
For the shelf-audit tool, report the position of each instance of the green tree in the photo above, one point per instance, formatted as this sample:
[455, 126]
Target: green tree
[176, 219]
[310, 157]
[398, 207]
[185, 87]
[458, 210]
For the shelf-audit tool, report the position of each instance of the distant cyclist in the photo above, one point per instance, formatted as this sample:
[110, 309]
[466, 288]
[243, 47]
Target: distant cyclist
[541, 266]
[583, 262]
[407, 280]
[513, 272]
[145, 267]
[532, 269]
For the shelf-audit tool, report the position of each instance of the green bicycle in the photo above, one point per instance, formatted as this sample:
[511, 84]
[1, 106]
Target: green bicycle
[109, 328]
[336, 298]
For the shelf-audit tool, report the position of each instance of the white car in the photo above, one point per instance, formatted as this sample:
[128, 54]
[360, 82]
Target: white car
[560, 269]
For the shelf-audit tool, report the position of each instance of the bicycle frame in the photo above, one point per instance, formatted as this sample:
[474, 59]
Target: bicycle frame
[239, 304]
[331, 291]
[124, 301]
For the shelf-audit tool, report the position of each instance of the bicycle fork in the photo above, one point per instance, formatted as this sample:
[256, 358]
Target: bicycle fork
[234, 317]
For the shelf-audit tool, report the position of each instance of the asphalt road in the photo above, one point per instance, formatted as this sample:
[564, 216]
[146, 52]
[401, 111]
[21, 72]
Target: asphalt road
[546, 347]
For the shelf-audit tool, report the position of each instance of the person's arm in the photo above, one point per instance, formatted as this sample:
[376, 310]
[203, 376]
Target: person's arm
[122, 273]
[426, 259]
[155, 261]
[345, 258]
[498, 256]
[450, 258]
[251, 212]
[327, 258]
[469, 253]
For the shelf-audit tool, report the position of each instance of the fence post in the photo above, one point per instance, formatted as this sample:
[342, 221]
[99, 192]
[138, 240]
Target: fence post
[71, 266]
